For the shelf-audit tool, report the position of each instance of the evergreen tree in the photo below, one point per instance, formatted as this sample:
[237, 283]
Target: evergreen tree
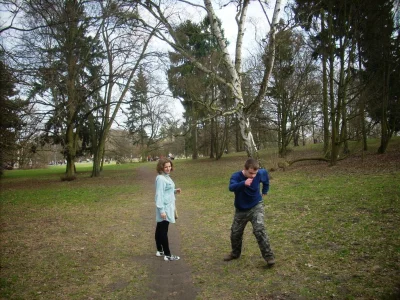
[381, 57]
[10, 121]
[138, 114]
[68, 72]
[199, 93]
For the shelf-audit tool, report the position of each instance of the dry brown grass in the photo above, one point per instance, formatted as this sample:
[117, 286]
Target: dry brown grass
[334, 231]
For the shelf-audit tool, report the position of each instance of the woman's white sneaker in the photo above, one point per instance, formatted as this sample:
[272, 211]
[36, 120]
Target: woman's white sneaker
[171, 258]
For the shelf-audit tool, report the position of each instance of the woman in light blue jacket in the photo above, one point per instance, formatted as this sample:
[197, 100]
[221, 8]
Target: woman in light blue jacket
[165, 207]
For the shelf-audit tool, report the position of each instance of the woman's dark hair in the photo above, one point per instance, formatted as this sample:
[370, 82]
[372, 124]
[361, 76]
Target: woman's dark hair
[161, 163]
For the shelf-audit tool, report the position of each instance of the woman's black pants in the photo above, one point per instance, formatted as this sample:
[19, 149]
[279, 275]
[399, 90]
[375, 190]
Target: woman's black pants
[162, 237]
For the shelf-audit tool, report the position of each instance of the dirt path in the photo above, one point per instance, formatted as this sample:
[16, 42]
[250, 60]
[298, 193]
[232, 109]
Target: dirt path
[170, 280]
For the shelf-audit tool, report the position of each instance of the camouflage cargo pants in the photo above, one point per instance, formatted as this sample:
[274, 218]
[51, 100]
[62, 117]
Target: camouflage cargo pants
[256, 216]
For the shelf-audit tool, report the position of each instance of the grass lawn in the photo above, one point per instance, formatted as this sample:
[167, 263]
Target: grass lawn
[334, 230]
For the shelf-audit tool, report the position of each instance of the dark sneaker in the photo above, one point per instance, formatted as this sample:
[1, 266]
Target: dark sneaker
[270, 261]
[171, 258]
[230, 257]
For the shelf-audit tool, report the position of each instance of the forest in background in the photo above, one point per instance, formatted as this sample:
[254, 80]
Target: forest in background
[78, 75]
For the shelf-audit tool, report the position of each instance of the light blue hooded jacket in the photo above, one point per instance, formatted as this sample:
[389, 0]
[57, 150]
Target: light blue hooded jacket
[165, 197]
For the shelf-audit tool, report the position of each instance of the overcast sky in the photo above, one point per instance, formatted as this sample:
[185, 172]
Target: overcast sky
[256, 24]
[256, 27]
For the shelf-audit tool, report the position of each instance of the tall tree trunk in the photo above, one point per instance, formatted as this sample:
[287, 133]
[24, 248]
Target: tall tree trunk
[334, 136]
[279, 120]
[212, 137]
[96, 169]
[70, 153]
[325, 110]
[102, 158]
[313, 127]
[195, 153]
[386, 132]
[342, 94]
[334, 109]
[344, 131]
[237, 135]
[98, 154]
[362, 106]
[71, 115]
[70, 141]
[363, 123]
[347, 78]
[223, 141]
[296, 138]
[284, 134]
[247, 136]
[228, 133]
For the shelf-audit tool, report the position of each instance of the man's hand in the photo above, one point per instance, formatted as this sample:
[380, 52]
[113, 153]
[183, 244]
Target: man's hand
[178, 190]
[164, 216]
[248, 181]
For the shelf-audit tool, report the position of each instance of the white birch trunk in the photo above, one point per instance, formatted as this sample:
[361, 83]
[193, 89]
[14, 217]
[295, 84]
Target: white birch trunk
[235, 83]
[233, 80]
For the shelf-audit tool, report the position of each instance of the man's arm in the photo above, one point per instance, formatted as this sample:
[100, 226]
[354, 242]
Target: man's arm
[264, 181]
[236, 183]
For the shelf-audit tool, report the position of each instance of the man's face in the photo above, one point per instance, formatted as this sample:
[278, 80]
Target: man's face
[250, 173]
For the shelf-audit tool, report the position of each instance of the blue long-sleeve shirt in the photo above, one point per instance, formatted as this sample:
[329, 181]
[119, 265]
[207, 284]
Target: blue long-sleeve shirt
[247, 197]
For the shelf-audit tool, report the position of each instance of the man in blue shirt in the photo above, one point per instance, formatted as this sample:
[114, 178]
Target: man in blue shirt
[249, 207]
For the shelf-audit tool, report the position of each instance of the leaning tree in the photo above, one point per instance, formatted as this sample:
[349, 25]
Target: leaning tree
[164, 18]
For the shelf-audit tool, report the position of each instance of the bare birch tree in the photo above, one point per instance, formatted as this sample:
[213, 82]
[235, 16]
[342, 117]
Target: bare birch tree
[165, 14]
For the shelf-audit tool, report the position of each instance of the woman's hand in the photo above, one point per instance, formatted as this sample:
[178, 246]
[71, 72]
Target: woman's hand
[164, 216]
[178, 190]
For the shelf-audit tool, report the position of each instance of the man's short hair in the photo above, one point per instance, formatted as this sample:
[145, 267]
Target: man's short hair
[251, 163]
